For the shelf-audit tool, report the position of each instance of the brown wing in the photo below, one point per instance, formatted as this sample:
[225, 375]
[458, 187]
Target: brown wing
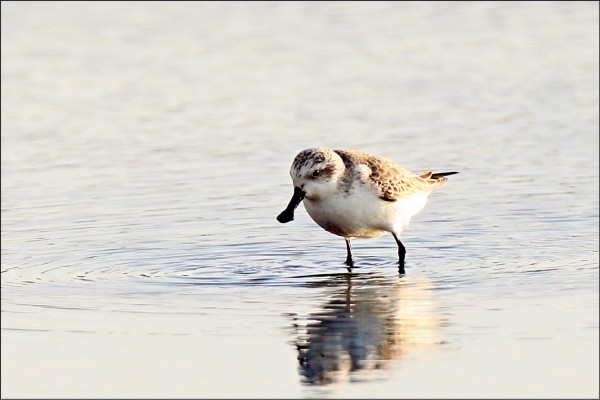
[397, 187]
[392, 181]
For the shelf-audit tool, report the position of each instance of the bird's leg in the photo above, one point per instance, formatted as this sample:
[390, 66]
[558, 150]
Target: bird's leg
[401, 253]
[350, 257]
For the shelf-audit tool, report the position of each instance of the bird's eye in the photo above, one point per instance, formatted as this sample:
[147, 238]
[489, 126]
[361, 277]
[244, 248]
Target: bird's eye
[316, 173]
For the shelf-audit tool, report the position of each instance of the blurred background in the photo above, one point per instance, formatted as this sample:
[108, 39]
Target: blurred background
[145, 155]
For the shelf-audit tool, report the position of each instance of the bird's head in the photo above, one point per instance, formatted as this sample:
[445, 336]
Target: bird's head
[315, 173]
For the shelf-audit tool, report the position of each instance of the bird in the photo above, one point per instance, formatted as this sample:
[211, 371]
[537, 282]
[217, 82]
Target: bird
[354, 194]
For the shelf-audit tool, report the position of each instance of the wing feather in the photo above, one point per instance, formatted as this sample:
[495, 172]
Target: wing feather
[390, 180]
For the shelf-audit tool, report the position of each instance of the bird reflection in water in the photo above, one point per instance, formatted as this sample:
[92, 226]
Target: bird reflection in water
[368, 321]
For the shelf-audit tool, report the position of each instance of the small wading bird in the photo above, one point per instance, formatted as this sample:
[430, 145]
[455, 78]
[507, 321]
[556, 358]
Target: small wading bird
[355, 194]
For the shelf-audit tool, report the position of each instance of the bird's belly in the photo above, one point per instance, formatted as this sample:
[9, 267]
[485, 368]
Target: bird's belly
[350, 218]
[355, 217]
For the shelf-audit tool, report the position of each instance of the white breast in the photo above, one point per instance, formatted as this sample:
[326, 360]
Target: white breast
[363, 213]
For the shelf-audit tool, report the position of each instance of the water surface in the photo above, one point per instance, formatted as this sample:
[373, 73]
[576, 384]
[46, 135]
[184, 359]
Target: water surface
[145, 156]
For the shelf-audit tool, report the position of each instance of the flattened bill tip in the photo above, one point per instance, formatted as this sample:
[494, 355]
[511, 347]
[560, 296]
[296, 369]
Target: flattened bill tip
[285, 217]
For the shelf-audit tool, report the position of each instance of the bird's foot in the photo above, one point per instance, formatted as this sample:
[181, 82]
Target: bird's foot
[401, 268]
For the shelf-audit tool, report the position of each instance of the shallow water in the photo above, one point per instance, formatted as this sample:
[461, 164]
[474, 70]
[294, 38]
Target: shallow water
[145, 156]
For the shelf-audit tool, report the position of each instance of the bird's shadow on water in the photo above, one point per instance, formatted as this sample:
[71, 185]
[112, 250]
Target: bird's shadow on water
[367, 321]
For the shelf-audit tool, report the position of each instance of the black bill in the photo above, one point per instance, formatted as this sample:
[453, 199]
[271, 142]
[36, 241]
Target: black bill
[287, 215]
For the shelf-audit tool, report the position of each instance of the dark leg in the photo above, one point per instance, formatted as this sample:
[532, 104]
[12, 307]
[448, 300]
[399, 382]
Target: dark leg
[350, 257]
[401, 253]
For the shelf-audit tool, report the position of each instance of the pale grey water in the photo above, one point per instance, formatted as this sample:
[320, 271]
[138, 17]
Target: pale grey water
[145, 155]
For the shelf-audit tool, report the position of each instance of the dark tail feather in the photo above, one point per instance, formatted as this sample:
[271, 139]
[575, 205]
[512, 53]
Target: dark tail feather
[438, 175]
